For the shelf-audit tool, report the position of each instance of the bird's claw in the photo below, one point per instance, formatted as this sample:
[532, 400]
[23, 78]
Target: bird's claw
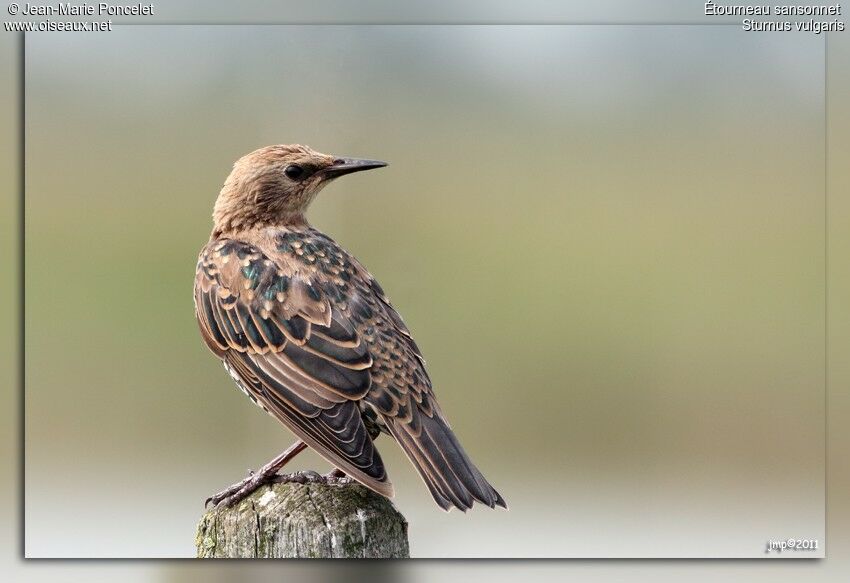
[241, 490]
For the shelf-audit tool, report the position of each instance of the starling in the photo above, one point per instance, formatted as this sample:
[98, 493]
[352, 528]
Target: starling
[309, 335]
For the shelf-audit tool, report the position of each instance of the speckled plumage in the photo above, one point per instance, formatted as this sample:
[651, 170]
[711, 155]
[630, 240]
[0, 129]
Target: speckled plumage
[312, 338]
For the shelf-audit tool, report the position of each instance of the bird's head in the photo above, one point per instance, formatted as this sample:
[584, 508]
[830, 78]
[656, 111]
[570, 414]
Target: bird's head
[276, 184]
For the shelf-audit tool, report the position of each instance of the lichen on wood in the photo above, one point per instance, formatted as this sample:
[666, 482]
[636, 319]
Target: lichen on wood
[292, 520]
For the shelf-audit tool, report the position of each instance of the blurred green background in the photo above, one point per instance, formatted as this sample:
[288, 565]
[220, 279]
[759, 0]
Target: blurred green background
[608, 242]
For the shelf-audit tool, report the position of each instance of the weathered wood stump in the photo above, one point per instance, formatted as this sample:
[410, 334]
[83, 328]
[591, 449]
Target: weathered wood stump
[291, 520]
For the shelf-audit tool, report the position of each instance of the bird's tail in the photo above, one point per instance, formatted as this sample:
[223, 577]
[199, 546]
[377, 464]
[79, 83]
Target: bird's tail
[442, 463]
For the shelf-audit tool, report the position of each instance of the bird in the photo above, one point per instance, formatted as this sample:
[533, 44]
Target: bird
[309, 335]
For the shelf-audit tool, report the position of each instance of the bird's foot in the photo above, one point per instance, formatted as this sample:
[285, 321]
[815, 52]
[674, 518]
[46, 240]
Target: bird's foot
[336, 477]
[241, 490]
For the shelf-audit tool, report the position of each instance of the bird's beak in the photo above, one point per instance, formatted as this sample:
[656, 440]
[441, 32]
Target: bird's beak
[342, 166]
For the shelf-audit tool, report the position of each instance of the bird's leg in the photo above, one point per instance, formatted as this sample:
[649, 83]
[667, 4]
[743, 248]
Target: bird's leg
[264, 475]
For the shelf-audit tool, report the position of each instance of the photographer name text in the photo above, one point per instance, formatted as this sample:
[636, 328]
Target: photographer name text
[85, 9]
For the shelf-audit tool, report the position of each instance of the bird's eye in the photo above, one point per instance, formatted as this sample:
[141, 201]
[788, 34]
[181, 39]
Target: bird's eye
[294, 172]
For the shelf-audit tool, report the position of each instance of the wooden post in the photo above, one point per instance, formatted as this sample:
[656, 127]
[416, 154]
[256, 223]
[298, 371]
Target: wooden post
[292, 520]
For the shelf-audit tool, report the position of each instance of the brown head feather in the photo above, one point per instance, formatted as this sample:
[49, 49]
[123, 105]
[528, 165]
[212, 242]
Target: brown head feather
[259, 191]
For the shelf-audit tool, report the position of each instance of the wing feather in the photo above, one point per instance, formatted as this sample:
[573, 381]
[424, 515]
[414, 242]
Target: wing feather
[314, 339]
[302, 360]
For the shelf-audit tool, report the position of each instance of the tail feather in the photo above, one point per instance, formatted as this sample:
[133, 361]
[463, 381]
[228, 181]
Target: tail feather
[450, 475]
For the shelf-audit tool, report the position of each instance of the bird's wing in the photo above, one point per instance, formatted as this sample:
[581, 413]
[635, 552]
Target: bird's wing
[292, 349]
[402, 393]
